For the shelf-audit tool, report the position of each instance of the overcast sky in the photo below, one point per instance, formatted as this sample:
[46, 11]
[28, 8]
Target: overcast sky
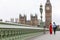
[12, 9]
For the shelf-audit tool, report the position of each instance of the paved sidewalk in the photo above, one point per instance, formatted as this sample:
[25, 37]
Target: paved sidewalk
[47, 37]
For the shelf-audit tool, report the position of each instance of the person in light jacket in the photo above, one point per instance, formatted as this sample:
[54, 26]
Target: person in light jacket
[54, 27]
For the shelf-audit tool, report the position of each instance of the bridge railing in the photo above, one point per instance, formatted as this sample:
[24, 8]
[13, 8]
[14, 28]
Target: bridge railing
[7, 30]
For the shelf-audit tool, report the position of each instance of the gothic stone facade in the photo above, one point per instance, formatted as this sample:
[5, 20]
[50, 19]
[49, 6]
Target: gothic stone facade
[33, 21]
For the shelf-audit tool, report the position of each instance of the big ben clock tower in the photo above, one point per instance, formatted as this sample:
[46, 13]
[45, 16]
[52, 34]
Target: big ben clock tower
[48, 13]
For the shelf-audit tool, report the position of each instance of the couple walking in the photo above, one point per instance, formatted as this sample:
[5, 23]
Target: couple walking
[54, 27]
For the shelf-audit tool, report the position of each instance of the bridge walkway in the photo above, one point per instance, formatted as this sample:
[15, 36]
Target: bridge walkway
[47, 37]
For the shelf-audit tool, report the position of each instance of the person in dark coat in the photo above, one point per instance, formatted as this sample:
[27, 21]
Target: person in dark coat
[50, 28]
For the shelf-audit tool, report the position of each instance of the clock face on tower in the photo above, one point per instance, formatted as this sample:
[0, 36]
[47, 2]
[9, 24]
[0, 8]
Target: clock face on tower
[47, 8]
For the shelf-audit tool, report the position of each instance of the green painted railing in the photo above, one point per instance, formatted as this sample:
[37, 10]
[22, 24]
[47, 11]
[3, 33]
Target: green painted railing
[10, 30]
[7, 32]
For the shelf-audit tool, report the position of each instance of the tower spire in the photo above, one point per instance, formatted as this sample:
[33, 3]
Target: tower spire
[48, 1]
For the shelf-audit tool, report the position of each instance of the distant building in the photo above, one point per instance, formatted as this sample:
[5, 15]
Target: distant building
[58, 26]
[22, 19]
[1, 20]
[7, 21]
[12, 20]
[16, 20]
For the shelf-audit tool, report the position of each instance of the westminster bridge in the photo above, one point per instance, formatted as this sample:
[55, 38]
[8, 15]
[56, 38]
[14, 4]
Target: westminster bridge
[14, 31]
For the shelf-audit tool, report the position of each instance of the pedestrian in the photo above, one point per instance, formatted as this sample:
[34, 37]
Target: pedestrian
[54, 27]
[50, 28]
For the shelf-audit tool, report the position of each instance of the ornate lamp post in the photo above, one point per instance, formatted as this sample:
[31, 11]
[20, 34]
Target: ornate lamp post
[41, 10]
[41, 23]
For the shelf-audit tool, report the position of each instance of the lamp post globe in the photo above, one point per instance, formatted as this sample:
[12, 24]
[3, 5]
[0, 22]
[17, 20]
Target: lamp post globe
[41, 9]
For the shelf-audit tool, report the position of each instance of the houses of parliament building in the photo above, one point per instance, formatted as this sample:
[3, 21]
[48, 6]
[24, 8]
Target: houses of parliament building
[32, 22]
